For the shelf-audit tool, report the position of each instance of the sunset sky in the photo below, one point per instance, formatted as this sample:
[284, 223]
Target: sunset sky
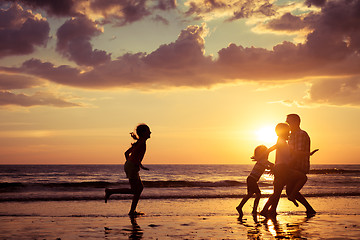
[211, 78]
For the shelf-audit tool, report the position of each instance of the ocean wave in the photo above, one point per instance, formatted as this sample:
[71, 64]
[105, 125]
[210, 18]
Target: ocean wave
[70, 186]
[333, 171]
[154, 197]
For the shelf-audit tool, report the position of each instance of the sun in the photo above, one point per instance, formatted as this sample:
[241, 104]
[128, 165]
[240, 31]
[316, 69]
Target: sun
[266, 134]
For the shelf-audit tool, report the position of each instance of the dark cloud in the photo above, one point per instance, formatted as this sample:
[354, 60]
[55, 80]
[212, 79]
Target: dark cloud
[121, 12]
[52, 7]
[344, 91]
[291, 23]
[336, 32]
[166, 4]
[186, 51]
[118, 12]
[38, 99]
[8, 82]
[176, 64]
[316, 3]
[21, 31]
[73, 42]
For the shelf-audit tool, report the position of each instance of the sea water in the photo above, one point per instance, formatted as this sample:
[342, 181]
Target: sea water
[87, 182]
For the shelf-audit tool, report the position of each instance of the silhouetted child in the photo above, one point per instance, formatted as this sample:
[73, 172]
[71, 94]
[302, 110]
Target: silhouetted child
[262, 163]
[134, 156]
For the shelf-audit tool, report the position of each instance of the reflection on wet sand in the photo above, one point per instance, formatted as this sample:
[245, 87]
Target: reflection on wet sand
[278, 229]
[134, 232]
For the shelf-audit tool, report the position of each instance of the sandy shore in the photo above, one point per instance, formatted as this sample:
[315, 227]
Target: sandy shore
[337, 218]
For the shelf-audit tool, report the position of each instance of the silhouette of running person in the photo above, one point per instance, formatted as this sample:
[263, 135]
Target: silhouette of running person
[134, 156]
[262, 163]
[299, 141]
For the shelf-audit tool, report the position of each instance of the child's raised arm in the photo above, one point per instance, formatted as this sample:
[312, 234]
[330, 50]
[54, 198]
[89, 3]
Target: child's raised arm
[270, 149]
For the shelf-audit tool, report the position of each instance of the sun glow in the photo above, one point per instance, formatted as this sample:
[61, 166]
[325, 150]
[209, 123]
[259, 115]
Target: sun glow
[266, 135]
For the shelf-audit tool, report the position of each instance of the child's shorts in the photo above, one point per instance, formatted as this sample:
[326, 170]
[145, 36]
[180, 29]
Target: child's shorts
[252, 186]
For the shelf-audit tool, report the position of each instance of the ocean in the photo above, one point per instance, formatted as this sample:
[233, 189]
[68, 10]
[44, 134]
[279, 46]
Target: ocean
[29, 183]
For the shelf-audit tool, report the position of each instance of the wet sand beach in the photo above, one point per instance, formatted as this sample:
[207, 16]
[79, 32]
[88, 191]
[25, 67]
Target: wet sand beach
[337, 218]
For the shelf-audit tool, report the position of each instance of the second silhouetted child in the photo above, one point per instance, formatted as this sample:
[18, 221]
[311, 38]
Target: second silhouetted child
[262, 163]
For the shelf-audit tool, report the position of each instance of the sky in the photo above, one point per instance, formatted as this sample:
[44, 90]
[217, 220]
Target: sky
[211, 78]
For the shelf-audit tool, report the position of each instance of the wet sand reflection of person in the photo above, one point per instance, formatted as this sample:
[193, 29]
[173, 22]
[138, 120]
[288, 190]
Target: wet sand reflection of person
[277, 229]
[288, 230]
[136, 232]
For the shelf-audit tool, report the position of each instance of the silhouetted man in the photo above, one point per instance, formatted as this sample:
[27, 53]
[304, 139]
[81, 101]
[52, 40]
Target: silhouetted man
[299, 141]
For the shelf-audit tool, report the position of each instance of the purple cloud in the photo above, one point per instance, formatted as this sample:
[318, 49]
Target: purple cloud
[345, 91]
[121, 12]
[291, 23]
[73, 42]
[38, 99]
[8, 82]
[52, 7]
[21, 31]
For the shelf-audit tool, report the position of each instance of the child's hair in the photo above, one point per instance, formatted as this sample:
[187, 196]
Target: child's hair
[141, 130]
[282, 129]
[260, 151]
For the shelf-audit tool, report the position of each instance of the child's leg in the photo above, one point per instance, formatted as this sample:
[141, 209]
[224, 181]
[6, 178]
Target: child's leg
[137, 188]
[111, 191]
[278, 187]
[256, 202]
[242, 203]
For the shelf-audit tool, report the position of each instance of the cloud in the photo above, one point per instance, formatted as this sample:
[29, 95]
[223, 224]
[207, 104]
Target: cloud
[53, 7]
[161, 19]
[38, 99]
[118, 12]
[121, 12]
[343, 91]
[21, 31]
[247, 9]
[11, 81]
[233, 9]
[181, 63]
[316, 3]
[291, 23]
[166, 4]
[184, 63]
[73, 42]
[330, 49]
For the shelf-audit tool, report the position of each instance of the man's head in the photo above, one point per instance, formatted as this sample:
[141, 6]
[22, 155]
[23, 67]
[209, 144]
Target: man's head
[294, 121]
